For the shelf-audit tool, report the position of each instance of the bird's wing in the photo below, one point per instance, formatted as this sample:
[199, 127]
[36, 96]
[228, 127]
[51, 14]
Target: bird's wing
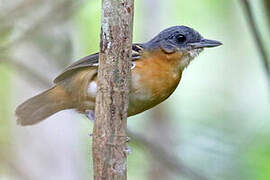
[92, 61]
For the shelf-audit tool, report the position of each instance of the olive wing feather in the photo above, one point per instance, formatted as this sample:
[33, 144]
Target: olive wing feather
[92, 61]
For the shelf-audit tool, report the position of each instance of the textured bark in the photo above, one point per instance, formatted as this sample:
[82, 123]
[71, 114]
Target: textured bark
[109, 136]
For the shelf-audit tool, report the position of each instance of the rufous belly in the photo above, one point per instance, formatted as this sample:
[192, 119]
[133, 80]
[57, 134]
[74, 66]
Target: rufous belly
[152, 81]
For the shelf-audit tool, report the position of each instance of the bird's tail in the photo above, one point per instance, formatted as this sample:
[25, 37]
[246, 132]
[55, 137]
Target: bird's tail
[42, 106]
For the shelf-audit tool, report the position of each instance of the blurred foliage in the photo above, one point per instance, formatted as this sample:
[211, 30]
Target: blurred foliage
[5, 112]
[5, 107]
[218, 116]
[256, 159]
[88, 21]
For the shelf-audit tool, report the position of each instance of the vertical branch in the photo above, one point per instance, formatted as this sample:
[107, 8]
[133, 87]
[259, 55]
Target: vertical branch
[258, 39]
[109, 136]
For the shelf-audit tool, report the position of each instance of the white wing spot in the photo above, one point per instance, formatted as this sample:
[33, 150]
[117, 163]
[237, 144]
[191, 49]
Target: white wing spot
[92, 89]
[133, 65]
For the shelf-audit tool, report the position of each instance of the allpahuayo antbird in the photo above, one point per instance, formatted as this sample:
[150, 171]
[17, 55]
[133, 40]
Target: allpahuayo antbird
[157, 66]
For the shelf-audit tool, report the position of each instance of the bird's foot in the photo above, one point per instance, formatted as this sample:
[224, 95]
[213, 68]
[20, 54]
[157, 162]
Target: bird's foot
[90, 114]
[127, 150]
[128, 139]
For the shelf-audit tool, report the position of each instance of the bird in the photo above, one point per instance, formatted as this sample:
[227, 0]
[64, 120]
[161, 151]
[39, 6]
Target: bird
[156, 70]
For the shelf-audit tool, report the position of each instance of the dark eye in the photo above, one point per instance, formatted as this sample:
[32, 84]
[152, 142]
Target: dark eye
[181, 38]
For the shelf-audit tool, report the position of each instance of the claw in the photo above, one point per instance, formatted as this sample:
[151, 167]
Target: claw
[90, 114]
[127, 150]
[128, 139]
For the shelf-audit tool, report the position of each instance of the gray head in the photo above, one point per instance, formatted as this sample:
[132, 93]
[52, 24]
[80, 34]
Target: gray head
[180, 38]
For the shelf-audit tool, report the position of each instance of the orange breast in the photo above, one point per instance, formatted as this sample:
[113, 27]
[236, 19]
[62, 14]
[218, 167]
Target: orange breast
[154, 78]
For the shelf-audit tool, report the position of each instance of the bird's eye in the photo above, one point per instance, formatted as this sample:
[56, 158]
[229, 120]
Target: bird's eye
[181, 38]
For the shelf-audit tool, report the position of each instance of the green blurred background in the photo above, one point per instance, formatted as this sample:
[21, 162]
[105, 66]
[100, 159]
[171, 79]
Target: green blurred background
[215, 125]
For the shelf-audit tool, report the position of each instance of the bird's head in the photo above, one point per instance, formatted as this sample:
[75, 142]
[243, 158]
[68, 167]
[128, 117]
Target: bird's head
[182, 40]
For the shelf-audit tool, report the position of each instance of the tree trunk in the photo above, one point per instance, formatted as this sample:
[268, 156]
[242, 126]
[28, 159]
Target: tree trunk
[109, 136]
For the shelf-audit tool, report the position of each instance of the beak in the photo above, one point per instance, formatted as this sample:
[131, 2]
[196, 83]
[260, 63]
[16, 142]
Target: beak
[205, 43]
